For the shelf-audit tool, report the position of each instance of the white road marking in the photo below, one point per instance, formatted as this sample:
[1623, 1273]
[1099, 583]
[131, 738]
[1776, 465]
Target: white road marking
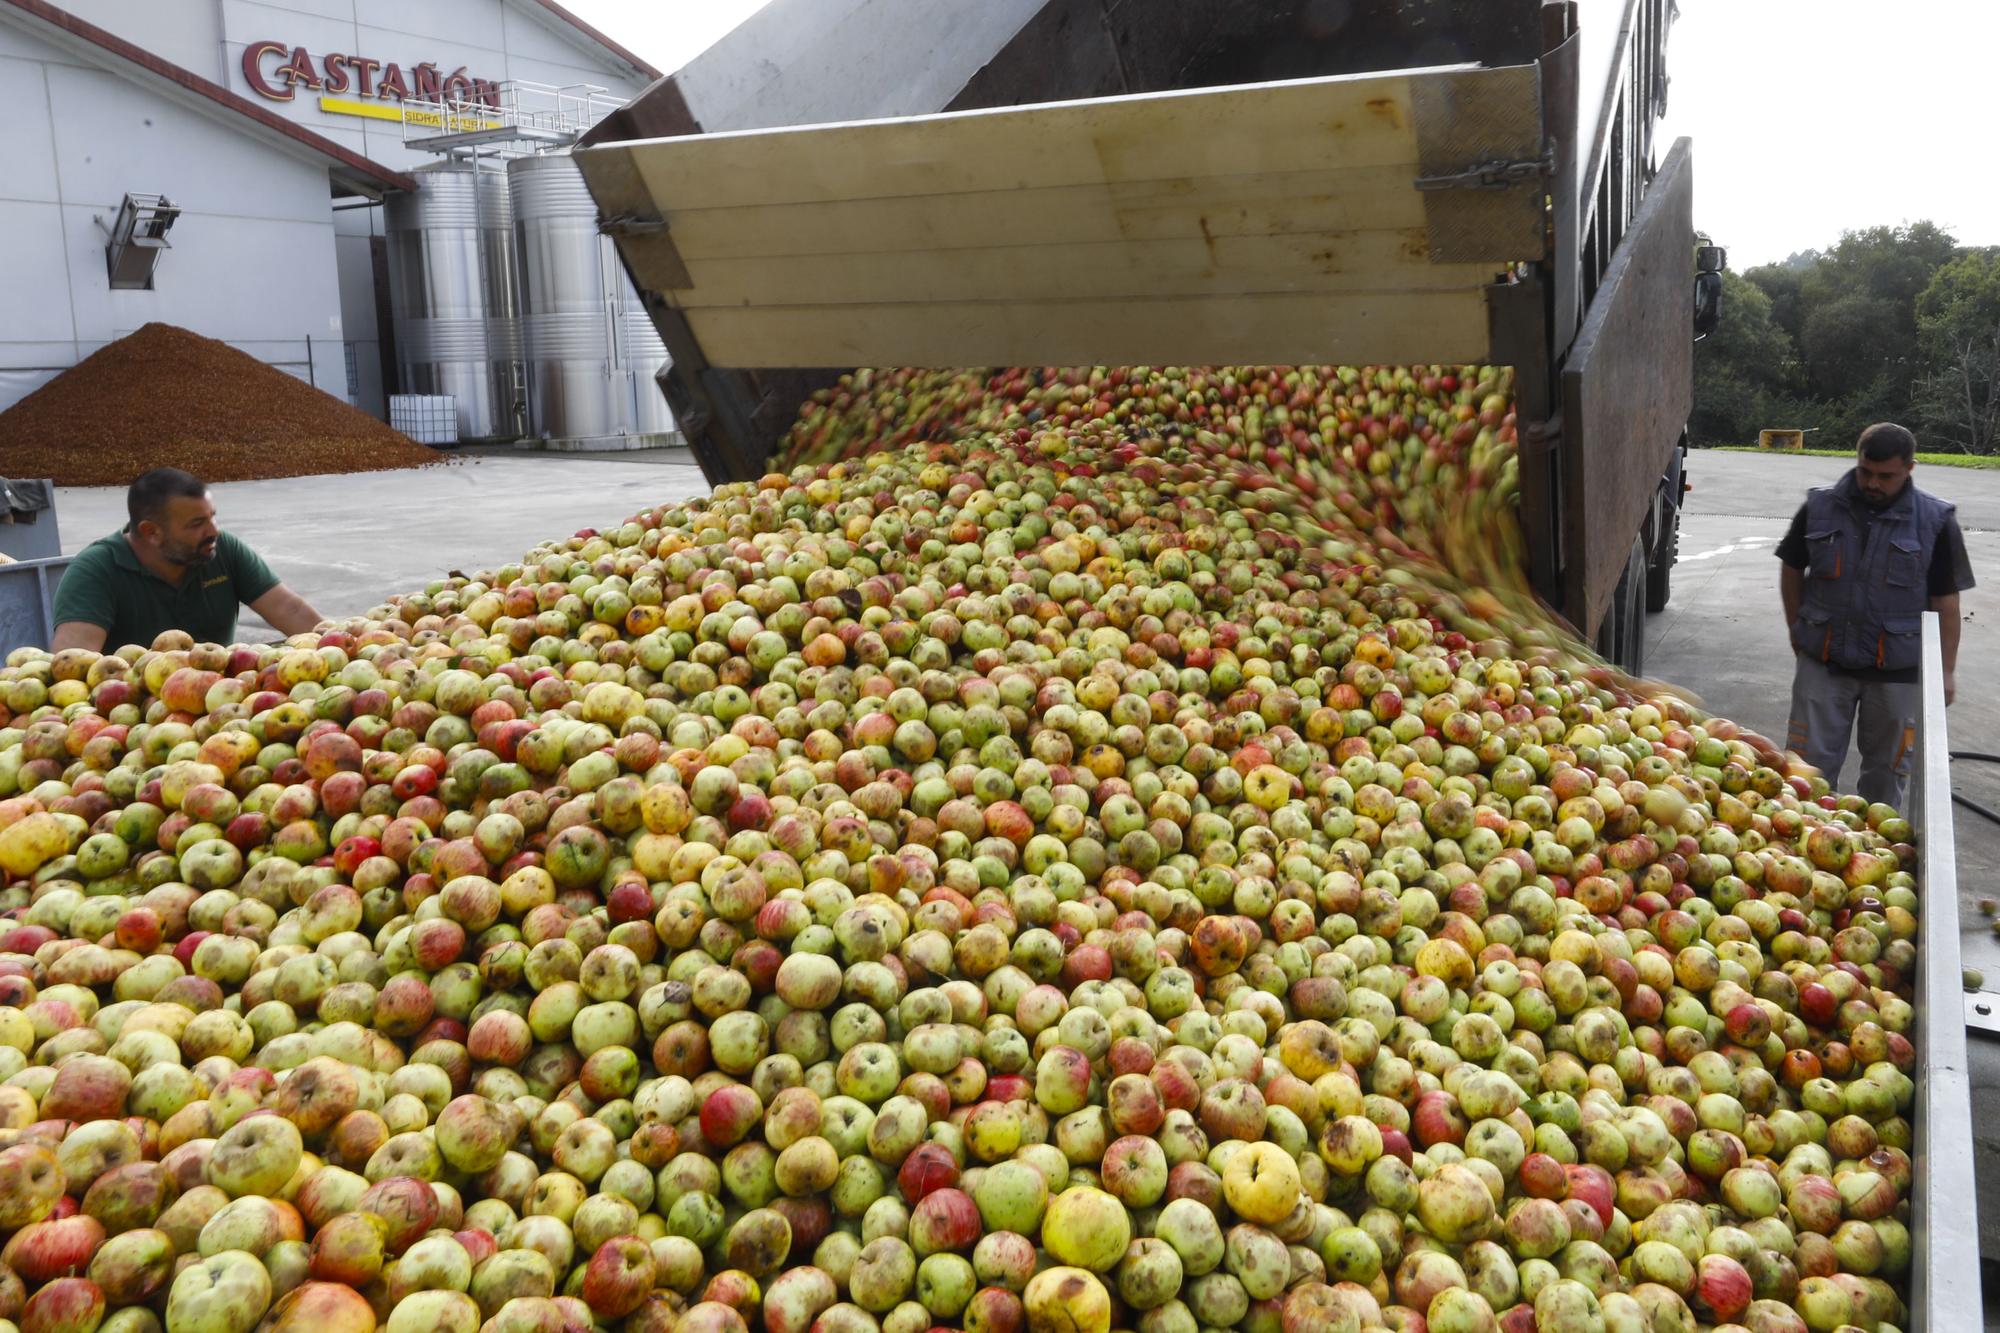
[1745, 544]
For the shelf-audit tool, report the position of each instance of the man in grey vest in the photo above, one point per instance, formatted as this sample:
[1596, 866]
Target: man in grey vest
[1864, 559]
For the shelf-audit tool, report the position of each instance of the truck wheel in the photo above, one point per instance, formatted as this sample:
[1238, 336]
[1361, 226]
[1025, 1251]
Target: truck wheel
[1622, 636]
[1660, 572]
[1634, 659]
[1667, 549]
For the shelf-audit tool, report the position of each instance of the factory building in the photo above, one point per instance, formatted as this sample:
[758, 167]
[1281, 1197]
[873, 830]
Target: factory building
[329, 185]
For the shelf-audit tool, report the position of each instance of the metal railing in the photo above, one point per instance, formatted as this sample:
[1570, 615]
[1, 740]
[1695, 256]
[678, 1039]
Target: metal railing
[527, 116]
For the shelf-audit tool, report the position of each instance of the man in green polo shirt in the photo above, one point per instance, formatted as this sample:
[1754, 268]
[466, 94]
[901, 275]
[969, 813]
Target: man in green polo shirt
[170, 569]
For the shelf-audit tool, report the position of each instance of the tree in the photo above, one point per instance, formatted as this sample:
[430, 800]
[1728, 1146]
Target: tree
[1830, 341]
[1859, 309]
[1958, 334]
[1781, 283]
[1743, 371]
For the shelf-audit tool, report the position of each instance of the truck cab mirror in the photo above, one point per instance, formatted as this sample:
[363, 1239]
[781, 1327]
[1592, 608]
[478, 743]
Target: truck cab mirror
[1707, 303]
[1710, 259]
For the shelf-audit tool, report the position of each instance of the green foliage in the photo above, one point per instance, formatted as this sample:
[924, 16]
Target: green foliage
[1745, 373]
[1859, 308]
[1891, 324]
[1958, 333]
[1781, 283]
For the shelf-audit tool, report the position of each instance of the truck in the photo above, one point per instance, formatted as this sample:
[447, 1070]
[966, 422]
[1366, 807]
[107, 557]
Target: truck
[1194, 182]
[941, 183]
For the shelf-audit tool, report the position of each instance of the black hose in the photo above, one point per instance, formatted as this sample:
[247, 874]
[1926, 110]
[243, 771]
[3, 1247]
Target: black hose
[1984, 812]
[1991, 816]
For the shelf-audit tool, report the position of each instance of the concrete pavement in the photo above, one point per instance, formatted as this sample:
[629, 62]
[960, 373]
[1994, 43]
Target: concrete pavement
[343, 543]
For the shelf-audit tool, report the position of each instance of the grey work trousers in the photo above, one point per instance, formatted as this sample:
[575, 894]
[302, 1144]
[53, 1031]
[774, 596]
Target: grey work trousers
[1824, 704]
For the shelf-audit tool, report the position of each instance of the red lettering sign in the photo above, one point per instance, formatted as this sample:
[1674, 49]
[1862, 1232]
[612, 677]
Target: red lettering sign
[336, 73]
[298, 71]
[253, 70]
[295, 68]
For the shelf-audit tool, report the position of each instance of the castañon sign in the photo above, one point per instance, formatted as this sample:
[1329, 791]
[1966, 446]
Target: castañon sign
[278, 70]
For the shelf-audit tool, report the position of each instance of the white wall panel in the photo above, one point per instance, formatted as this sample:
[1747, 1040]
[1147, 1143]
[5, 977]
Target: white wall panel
[27, 159]
[531, 39]
[244, 22]
[258, 258]
[18, 41]
[252, 256]
[114, 137]
[187, 32]
[34, 290]
[283, 11]
[18, 384]
[489, 39]
[537, 69]
[440, 20]
[241, 280]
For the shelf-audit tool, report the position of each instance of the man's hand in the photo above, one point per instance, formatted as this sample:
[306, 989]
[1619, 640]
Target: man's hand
[1949, 626]
[1950, 688]
[286, 612]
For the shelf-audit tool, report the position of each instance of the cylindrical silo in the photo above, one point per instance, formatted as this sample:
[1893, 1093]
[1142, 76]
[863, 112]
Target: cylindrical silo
[590, 352]
[454, 295]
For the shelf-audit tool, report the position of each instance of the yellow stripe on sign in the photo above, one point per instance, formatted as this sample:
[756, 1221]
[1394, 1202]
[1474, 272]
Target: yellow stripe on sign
[342, 106]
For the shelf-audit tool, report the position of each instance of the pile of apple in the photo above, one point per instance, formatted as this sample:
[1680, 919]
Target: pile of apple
[1054, 875]
[1412, 464]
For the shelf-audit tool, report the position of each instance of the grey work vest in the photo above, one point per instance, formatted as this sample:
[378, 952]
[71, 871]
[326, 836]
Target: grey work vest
[1867, 579]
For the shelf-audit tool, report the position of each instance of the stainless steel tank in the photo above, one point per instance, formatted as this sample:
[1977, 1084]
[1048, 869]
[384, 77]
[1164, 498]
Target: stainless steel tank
[591, 353]
[454, 294]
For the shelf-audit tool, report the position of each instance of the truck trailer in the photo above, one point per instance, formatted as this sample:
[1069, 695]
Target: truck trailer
[860, 183]
[1193, 182]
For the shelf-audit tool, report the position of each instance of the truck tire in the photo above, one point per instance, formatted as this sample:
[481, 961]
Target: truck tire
[1667, 547]
[1636, 575]
[1660, 571]
[1622, 636]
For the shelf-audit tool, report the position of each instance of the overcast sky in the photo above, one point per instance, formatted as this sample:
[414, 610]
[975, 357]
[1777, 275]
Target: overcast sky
[1809, 117]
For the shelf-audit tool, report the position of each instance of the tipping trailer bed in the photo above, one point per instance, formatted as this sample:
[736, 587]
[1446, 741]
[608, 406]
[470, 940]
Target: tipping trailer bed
[1129, 182]
[1117, 182]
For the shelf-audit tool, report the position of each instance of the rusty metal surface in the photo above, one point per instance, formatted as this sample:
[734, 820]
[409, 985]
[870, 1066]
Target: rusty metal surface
[1065, 51]
[1464, 119]
[630, 217]
[1094, 48]
[660, 111]
[1627, 390]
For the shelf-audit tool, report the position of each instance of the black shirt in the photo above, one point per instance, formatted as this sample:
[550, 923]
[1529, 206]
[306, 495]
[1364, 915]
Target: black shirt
[1950, 572]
